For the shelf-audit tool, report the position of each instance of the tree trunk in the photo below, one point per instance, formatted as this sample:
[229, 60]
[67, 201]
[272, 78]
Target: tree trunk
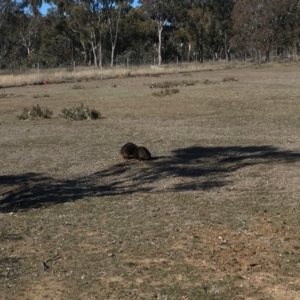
[94, 54]
[100, 55]
[112, 55]
[189, 53]
[84, 52]
[160, 29]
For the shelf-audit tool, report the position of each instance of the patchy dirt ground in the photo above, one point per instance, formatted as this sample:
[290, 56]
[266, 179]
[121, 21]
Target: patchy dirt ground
[214, 214]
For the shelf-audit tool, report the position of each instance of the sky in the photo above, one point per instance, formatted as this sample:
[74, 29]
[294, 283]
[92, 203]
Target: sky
[45, 7]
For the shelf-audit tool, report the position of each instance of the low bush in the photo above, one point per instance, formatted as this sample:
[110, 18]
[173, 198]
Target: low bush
[165, 92]
[80, 113]
[229, 79]
[35, 113]
[170, 84]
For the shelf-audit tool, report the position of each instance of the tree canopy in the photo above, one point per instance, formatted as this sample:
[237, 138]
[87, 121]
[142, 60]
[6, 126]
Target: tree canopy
[96, 32]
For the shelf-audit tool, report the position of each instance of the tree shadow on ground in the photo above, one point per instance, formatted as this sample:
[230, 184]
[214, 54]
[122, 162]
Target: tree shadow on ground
[187, 169]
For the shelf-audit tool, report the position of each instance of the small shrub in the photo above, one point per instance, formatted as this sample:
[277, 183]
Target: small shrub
[206, 81]
[189, 82]
[170, 84]
[77, 87]
[40, 96]
[80, 113]
[35, 113]
[229, 79]
[165, 92]
[163, 85]
[4, 95]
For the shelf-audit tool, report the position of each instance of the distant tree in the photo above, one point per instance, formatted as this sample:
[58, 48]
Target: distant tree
[60, 45]
[262, 25]
[29, 35]
[10, 52]
[113, 10]
[163, 13]
[136, 36]
[89, 18]
[221, 11]
[34, 6]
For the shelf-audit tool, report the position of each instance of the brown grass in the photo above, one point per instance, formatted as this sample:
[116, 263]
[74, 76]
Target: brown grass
[214, 215]
[81, 74]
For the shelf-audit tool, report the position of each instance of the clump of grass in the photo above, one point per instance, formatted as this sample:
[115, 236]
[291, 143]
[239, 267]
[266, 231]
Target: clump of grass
[189, 82]
[80, 113]
[163, 85]
[229, 79]
[170, 84]
[40, 96]
[77, 87]
[4, 95]
[35, 113]
[207, 81]
[165, 92]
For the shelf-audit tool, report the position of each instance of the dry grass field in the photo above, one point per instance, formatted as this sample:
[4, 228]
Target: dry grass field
[214, 215]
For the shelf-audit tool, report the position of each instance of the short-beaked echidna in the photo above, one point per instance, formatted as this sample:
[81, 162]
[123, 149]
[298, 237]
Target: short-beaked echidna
[142, 153]
[128, 150]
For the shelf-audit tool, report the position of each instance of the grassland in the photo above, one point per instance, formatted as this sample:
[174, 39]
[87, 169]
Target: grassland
[214, 215]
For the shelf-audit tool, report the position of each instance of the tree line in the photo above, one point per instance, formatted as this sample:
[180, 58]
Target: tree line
[97, 32]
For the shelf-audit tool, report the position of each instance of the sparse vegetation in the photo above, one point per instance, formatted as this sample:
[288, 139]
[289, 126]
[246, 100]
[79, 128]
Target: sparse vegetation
[41, 96]
[5, 95]
[77, 87]
[35, 113]
[170, 84]
[206, 81]
[80, 113]
[229, 79]
[165, 92]
[213, 215]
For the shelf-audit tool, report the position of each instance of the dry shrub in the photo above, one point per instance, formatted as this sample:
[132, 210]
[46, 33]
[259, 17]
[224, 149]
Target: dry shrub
[170, 84]
[80, 113]
[165, 92]
[4, 95]
[35, 113]
[229, 79]
[41, 96]
[77, 87]
[206, 81]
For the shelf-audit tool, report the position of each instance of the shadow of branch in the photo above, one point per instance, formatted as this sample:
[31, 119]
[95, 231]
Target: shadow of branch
[187, 169]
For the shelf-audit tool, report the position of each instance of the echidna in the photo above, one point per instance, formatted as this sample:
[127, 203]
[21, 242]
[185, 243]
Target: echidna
[128, 150]
[142, 153]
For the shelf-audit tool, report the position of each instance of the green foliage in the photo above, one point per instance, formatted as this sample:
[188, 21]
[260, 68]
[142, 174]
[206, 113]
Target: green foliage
[80, 113]
[35, 113]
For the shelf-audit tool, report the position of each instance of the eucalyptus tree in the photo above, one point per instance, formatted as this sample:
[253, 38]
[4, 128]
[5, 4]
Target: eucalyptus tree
[34, 6]
[136, 36]
[263, 25]
[84, 19]
[113, 10]
[221, 11]
[163, 13]
[10, 52]
[60, 45]
[197, 22]
[208, 25]
[89, 18]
